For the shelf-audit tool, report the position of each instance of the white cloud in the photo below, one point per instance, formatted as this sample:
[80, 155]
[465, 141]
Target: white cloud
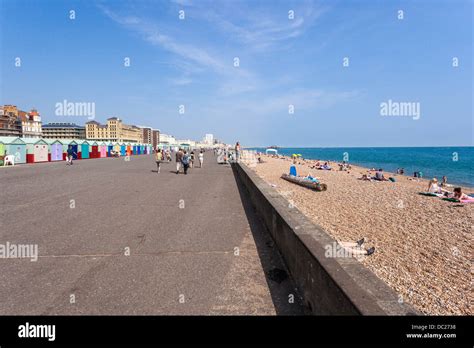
[193, 58]
[260, 29]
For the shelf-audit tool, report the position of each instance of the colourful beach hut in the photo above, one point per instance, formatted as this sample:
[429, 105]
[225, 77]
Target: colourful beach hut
[75, 147]
[142, 149]
[2, 149]
[117, 147]
[79, 148]
[55, 150]
[123, 149]
[15, 146]
[129, 149]
[134, 148]
[103, 150]
[36, 150]
[110, 147]
[85, 149]
[93, 149]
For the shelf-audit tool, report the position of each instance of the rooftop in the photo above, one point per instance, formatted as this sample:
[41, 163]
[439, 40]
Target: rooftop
[61, 125]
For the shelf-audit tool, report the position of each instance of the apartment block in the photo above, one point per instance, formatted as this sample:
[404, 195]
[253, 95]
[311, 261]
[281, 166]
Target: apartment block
[63, 131]
[115, 130]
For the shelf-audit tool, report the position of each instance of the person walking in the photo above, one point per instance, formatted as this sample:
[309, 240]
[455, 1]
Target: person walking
[179, 159]
[237, 151]
[70, 155]
[191, 160]
[159, 159]
[185, 160]
[201, 158]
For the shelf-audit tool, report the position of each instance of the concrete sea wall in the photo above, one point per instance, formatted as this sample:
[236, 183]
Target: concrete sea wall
[329, 285]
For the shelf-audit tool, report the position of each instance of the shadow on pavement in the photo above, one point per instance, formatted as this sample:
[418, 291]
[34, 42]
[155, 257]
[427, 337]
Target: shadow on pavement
[279, 281]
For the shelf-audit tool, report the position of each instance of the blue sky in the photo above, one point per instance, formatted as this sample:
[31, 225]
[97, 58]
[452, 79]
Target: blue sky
[283, 61]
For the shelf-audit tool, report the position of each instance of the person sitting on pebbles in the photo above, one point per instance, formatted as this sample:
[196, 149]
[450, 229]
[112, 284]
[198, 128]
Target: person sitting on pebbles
[379, 175]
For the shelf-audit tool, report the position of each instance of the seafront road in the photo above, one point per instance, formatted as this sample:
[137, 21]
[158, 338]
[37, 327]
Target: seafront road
[115, 237]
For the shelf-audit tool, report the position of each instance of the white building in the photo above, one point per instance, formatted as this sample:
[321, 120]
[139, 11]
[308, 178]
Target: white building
[188, 142]
[167, 139]
[31, 124]
[208, 139]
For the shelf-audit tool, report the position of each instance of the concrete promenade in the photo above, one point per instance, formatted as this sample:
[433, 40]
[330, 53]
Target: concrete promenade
[182, 234]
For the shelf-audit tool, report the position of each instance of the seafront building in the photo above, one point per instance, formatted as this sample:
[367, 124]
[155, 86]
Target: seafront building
[208, 139]
[186, 143]
[30, 123]
[58, 130]
[115, 131]
[147, 134]
[10, 122]
[167, 140]
[155, 137]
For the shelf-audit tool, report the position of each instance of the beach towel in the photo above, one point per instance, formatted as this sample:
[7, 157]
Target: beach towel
[463, 201]
[452, 200]
[471, 200]
[310, 178]
[430, 194]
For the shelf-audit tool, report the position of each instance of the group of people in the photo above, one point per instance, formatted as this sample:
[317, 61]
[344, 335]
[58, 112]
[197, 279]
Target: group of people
[183, 159]
[434, 187]
[344, 166]
[379, 176]
[320, 166]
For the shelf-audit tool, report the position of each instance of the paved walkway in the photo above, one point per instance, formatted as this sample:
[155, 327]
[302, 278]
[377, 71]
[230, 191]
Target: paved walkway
[182, 233]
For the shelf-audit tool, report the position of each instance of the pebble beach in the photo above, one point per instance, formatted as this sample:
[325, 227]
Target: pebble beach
[423, 245]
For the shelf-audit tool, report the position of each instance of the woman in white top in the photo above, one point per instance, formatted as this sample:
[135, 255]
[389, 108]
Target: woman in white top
[433, 186]
[201, 159]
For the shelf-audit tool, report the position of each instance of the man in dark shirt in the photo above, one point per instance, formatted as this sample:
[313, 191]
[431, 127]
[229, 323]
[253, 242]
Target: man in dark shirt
[70, 155]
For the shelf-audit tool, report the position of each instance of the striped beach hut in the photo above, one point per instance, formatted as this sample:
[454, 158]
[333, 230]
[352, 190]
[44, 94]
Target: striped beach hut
[55, 150]
[14, 146]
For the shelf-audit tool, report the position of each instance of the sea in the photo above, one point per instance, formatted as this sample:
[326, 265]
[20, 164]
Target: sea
[457, 163]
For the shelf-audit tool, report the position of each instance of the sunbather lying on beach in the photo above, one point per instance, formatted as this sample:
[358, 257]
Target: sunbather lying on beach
[325, 166]
[365, 177]
[458, 194]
